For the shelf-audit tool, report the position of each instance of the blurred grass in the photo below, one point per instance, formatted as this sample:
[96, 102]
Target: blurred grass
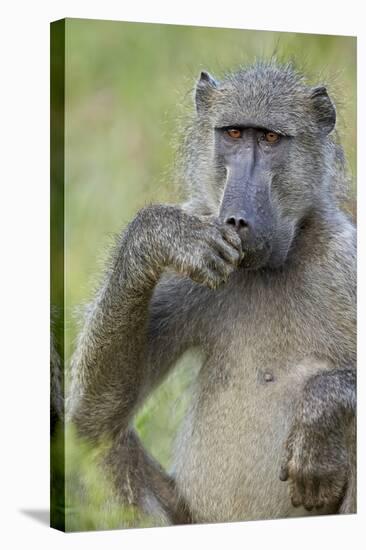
[90, 505]
[127, 87]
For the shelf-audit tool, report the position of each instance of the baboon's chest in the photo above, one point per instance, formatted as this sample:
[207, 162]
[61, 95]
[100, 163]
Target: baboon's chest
[257, 336]
[232, 440]
[229, 457]
[259, 352]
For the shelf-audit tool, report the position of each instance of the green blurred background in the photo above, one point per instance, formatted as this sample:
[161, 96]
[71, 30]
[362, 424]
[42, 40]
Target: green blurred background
[128, 87]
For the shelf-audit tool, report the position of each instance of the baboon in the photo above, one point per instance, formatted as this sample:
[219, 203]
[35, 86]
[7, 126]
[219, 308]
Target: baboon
[255, 273]
[56, 394]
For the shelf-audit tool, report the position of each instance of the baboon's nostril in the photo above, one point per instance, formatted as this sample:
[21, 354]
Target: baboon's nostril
[237, 222]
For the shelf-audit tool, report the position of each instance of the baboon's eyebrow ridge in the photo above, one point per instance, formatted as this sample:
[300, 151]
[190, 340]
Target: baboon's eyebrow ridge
[255, 126]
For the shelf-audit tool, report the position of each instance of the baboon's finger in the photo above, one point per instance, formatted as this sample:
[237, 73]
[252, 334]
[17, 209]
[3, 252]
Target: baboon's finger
[297, 492]
[287, 455]
[212, 271]
[311, 493]
[218, 266]
[227, 252]
[232, 238]
[331, 491]
[284, 472]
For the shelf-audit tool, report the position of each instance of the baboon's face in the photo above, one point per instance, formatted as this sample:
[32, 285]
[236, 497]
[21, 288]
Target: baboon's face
[268, 137]
[251, 157]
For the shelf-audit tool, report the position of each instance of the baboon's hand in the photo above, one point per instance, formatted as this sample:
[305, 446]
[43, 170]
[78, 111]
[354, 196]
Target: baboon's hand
[199, 247]
[205, 250]
[316, 464]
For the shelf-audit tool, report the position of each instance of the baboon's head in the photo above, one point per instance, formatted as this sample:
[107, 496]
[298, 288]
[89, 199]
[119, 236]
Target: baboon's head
[261, 151]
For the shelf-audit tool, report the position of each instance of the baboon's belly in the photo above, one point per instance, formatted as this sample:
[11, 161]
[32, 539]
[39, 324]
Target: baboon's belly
[231, 445]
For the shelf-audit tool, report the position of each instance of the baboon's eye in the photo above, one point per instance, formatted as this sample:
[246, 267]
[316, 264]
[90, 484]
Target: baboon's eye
[234, 133]
[271, 137]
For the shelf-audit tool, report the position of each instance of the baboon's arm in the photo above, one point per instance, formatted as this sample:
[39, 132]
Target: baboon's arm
[129, 341]
[119, 349]
[320, 456]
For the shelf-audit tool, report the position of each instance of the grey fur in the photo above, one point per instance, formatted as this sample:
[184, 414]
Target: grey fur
[56, 401]
[276, 393]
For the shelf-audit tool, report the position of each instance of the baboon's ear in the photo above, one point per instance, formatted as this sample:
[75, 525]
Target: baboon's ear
[205, 89]
[324, 109]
